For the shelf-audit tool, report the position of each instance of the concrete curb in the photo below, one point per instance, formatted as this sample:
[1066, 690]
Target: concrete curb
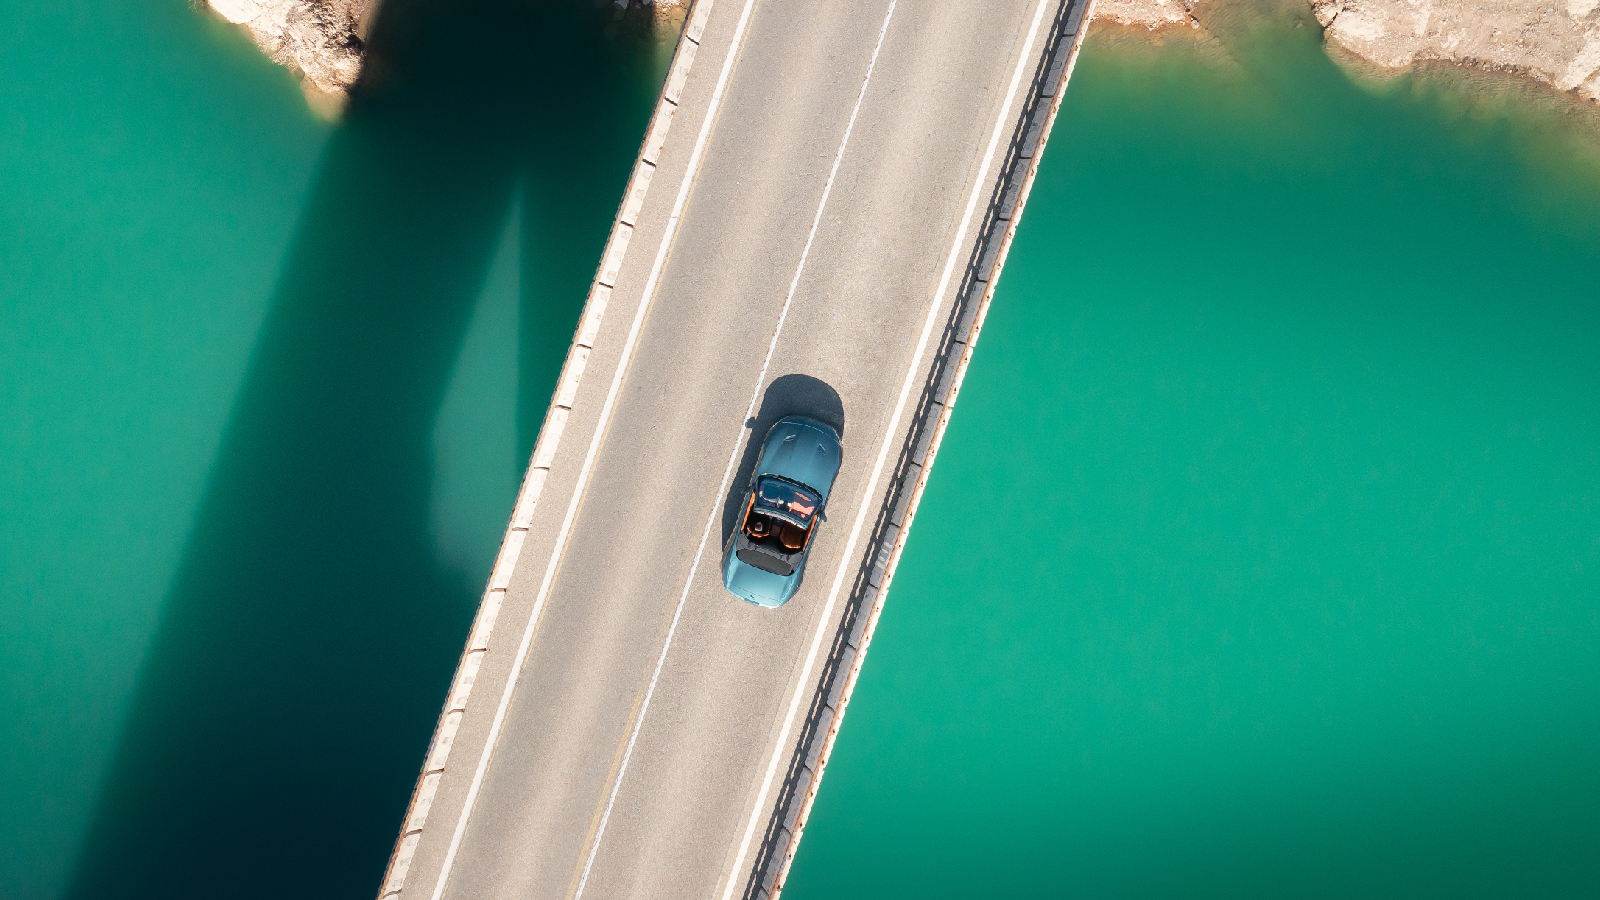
[916, 461]
[544, 452]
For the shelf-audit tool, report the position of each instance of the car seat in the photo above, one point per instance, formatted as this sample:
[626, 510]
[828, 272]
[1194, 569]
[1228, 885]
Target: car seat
[792, 536]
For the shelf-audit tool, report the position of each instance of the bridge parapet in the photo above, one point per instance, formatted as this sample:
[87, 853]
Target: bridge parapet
[669, 328]
[544, 451]
[934, 406]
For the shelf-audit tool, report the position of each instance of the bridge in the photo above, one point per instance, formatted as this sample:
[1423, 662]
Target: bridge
[815, 223]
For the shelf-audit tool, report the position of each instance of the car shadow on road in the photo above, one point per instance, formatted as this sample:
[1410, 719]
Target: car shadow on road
[787, 395]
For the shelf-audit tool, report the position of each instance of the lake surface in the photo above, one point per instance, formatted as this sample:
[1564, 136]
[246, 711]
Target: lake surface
[268, 389]
[1262, 558]
[1283, 434]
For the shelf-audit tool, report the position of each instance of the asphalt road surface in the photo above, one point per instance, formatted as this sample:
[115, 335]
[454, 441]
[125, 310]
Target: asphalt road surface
[803, 237]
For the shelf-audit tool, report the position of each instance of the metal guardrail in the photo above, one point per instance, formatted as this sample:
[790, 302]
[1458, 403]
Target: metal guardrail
[932, 415]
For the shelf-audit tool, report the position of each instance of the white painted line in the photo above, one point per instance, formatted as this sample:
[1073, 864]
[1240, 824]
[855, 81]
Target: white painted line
[690, 172]
[861, 633]
[847, 561]
[733, 457]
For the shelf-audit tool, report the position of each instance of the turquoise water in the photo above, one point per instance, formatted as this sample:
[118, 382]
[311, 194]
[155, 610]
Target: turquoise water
[1285, 583]
[268, 388]
[1262, 558]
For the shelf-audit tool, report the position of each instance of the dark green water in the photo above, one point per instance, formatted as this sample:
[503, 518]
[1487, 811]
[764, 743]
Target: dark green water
[1285, 579]
[268, 389]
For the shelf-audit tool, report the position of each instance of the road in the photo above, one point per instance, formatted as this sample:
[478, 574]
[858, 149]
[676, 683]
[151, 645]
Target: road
[808, 229]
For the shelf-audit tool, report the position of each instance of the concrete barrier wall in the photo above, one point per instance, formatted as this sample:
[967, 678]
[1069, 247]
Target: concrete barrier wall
[938, 400]
[544, 451]
[893, 523]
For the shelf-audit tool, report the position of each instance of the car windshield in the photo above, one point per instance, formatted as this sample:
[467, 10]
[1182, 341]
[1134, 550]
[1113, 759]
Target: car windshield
[786, 498]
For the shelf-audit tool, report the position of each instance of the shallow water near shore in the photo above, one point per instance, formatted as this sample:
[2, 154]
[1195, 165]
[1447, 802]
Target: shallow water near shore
[1260, 560]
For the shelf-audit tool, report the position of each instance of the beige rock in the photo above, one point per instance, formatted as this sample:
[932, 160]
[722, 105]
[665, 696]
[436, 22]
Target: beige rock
[1556, 43]
[1553, 41]
[1152, 14]
[669, 14]
[319, 39]
[323, 41]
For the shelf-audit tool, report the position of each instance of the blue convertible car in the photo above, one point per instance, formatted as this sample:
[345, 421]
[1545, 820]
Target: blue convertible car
[766, 555]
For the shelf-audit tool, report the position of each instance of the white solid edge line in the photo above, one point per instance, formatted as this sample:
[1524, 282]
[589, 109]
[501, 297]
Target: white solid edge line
[690, 173]
[733, 459]
[883, 455]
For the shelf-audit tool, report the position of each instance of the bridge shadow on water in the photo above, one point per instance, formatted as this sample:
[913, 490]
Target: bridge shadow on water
[307, 640]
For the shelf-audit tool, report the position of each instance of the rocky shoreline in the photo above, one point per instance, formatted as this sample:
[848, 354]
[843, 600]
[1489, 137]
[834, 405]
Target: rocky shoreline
[1555, 42]
[321, 41]
[324, 41]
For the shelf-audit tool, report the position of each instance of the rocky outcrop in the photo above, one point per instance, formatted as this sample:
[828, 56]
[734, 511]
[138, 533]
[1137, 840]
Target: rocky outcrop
[668, 14]
[1553, 41]
[1149, 13]
[320, 40]
[323, 41]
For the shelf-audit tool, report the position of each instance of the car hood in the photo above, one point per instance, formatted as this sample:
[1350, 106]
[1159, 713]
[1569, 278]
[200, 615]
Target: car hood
[802, 450]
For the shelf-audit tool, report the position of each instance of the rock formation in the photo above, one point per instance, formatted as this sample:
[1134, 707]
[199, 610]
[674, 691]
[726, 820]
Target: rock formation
[1554, 41]
[1152, 14]
[323, 41]
[320, 40]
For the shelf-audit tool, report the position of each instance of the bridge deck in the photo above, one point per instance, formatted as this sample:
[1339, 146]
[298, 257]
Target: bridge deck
[817, 233]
